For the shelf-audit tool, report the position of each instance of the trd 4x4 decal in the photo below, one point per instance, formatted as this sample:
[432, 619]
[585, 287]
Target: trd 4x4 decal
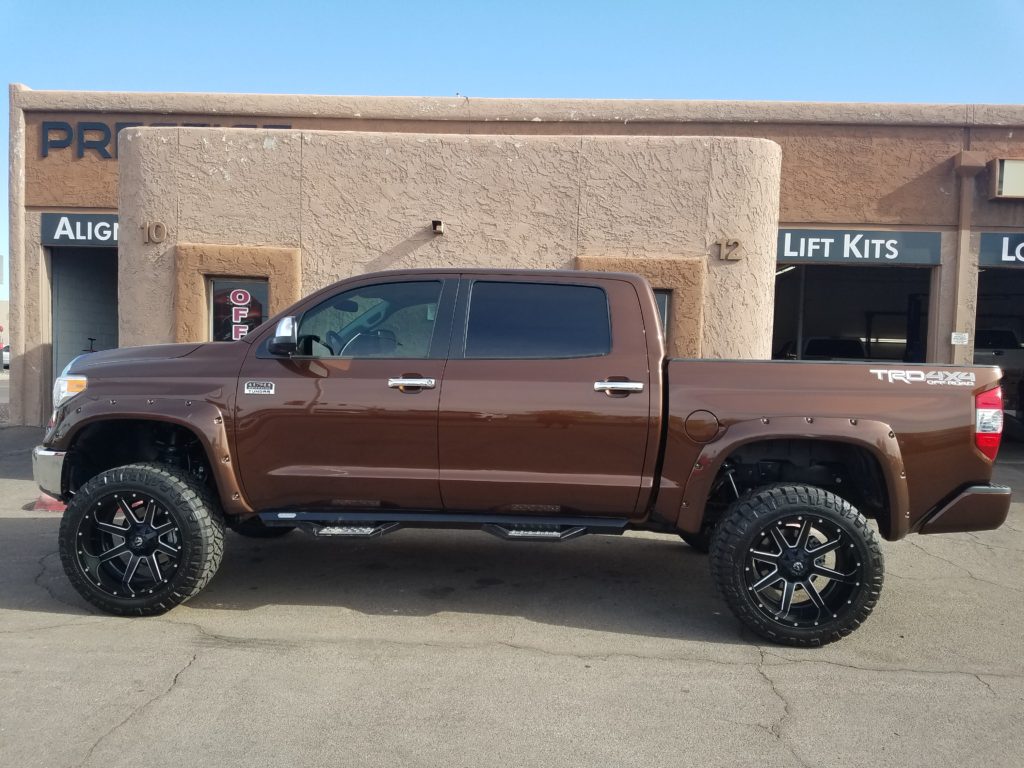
[951, 378]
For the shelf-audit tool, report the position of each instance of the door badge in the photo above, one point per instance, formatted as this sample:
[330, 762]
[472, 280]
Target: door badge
[259, 387]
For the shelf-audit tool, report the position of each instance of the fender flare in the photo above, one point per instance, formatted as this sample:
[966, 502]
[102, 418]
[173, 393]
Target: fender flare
[202, 418]
[877, 437]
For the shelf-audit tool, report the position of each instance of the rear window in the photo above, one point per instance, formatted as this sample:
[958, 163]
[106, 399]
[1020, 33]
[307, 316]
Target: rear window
[537, 320]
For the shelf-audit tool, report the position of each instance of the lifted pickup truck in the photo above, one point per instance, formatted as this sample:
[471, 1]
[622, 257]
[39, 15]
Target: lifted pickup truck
[537, 406]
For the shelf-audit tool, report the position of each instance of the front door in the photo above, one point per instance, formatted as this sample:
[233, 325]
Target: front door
[523, 428]
[350, 421]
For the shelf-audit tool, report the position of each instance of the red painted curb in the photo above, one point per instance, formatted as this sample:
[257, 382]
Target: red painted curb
[48, 504]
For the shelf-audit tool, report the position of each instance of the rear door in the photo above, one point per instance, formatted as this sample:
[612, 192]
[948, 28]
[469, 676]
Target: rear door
[545, 406]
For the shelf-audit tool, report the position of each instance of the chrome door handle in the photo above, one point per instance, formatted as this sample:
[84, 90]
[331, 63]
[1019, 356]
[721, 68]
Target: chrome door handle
[418, 383]
[618, 387]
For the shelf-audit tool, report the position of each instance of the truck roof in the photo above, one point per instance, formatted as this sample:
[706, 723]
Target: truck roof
[627, 276]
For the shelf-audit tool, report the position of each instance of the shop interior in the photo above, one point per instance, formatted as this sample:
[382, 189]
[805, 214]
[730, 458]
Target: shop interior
[83, 301]
[839, 312]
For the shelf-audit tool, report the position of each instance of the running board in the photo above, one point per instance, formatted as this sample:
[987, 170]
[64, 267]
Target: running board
[535, 532]
[364, 525]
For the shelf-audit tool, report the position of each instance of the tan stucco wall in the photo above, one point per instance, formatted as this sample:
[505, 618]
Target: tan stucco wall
[830, 173]
[842, 162]
[685, 278]
[31, 332]
[355, 202]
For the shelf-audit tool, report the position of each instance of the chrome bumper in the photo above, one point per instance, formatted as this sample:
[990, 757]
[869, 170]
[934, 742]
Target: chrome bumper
[47, 469]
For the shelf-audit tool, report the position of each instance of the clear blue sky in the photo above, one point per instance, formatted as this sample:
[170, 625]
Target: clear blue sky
[899, 50]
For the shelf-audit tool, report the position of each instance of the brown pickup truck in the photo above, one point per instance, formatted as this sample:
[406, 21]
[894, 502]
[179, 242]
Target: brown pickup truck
[538, 406]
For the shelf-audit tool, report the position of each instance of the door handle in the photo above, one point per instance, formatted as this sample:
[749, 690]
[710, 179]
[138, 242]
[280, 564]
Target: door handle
[412, 382]
[618, 387]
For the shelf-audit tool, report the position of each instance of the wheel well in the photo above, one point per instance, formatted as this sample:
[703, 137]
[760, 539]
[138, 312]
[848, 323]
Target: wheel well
[107, 444]
[848, 470]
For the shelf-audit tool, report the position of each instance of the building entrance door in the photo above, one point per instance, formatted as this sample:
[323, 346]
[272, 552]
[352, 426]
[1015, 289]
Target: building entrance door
[999, 333]
[83, 301]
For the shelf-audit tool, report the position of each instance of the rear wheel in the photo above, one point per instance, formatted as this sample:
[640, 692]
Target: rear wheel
[797, 564]
[140, 539]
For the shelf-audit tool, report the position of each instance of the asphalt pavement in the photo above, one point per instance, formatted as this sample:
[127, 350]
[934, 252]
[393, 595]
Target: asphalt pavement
[458, 649]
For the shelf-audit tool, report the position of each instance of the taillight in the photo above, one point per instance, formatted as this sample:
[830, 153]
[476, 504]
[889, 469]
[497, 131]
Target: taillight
[988, 421]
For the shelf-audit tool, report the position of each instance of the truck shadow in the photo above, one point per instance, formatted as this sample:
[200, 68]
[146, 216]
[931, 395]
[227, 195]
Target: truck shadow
[624, 584]
[652, 587]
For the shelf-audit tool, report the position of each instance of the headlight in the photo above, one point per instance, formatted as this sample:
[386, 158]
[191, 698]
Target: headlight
[67, 387]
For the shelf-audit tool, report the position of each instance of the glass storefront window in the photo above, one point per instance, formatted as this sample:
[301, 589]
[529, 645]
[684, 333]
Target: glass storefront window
[237, 305]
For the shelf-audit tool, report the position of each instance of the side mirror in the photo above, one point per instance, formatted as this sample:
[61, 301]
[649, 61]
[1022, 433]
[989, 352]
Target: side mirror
[285, 340]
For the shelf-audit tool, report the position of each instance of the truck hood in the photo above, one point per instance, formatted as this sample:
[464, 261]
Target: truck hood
[85, 362]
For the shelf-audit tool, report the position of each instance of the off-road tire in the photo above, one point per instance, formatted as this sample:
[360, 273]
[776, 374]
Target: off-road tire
[190, 505]
[748, 520]
[253, 528]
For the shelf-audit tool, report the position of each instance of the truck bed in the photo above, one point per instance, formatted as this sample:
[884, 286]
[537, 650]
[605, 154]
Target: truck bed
[928, 409]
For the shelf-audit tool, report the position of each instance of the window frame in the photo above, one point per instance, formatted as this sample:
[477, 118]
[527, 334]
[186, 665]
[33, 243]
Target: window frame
[464, 304]
[439, 342]
[664, 319]
[210, 281]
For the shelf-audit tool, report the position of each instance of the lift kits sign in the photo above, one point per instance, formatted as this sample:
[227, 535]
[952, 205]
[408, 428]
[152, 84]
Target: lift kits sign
[858, 246]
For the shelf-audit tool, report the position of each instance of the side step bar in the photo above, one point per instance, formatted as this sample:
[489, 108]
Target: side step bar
[535, 532]
[365, 525]
[353, 530]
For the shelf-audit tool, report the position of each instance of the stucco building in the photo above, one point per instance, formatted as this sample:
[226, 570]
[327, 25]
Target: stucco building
[871, 231]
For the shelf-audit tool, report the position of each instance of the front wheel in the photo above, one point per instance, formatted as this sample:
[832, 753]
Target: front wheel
[140, 539]
[798, 565]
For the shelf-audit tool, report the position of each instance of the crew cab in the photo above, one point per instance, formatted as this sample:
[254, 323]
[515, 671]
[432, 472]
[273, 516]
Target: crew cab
[537, 406]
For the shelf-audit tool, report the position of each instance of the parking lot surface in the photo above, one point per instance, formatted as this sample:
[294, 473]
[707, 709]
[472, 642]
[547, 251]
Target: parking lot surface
[458, 649]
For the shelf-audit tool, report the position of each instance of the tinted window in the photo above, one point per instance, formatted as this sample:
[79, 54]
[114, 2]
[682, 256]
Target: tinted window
[389, 320]
[534, 320]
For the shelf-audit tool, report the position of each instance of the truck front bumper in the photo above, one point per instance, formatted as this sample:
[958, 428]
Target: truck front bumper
[977, 508]
[48, 470]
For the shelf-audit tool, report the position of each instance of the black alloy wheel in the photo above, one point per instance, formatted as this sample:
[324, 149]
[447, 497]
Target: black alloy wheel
[797, 565]
[140, 539]
[129, 544]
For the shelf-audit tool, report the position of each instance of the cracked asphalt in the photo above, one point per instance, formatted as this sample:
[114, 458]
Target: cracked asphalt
[457, 649]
